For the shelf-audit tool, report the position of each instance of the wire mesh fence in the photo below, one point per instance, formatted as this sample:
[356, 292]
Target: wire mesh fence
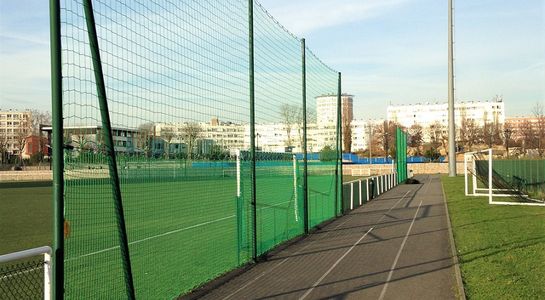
[22, 280]
[180, 163]
[26, 274]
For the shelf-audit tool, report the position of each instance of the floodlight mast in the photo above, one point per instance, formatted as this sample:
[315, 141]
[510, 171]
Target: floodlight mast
[451, 124]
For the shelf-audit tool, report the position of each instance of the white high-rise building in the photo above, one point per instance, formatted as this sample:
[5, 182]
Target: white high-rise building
[14, 126]
[272, 137]
[362, 130]
[326, 109]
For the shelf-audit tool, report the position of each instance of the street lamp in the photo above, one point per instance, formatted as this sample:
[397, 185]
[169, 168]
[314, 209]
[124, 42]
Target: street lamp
[369, 128]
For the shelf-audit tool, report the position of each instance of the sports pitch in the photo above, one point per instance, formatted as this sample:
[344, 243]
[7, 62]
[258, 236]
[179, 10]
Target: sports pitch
[181, 232]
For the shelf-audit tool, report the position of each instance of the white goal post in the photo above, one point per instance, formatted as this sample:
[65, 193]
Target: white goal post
[472, 180]
[293, 170]
[25, 254]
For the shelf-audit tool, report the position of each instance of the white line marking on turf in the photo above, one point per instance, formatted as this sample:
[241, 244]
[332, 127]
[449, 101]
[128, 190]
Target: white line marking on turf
[155, 236]
[398, 255]
[171, 232]
[280, 263]
[334, 265]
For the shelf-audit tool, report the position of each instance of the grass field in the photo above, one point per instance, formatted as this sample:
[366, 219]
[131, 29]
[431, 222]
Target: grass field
[25, 222]
[182, 232]
[501, 248]
[25, 216]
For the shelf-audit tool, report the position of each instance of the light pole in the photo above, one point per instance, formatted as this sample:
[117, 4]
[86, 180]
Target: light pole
[451, 126]
[369, 128]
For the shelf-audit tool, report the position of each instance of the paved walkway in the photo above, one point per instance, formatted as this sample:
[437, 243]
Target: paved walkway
[395, 247]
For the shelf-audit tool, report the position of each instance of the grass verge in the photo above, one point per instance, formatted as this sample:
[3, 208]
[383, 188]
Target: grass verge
[501, 248]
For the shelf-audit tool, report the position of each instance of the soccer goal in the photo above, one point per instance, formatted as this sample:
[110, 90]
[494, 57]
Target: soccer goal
[26, 274]
[272, 169]
[482, 179]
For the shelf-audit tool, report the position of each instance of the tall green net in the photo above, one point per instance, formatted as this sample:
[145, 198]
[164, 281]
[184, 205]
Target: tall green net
[278, 115]
[401, 155]
[525, 175]
[523, 178]
[176, 79]
[322, 111]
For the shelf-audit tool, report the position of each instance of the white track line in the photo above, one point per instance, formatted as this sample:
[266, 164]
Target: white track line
[349, 250]
[334, 265]
[398, 255]
[384, 215]
[280, 263]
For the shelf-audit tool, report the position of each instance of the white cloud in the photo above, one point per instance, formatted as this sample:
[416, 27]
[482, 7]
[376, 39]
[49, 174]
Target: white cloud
[307, 15]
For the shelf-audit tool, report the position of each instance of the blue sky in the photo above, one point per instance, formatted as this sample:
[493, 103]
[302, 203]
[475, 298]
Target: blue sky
[389, 51]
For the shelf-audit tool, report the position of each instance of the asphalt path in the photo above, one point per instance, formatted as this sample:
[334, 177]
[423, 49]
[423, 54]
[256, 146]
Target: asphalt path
[395, 247]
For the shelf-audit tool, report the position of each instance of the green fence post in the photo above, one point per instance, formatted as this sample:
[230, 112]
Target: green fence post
[57, 151]
[405, 136]
[252, 119]
[399, 156]
[339, 158]
[305, 162]
[109, 143]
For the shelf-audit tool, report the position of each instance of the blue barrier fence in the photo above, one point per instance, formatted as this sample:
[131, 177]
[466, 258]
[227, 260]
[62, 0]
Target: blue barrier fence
[355, 159]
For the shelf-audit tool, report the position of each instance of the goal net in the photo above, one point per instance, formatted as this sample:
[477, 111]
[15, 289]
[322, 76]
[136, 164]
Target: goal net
[486, 176]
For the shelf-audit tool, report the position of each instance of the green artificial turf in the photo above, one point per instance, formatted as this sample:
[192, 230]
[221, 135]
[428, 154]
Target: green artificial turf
[501, 248]
[183, 228]
[25, 216]
[25, 222]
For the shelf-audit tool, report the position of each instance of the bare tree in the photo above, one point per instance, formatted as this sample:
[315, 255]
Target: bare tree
[487, 134]
[168, 134]
[191, 132]
[470, 133]
[416, 138]
[3, 145]
[507, 133]
[144, 137]
[539, 114]
[347, 132]
[289, 113]
[21, 134]
[526, 134]
[385, 136]
[436, 132]
[39, 118]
